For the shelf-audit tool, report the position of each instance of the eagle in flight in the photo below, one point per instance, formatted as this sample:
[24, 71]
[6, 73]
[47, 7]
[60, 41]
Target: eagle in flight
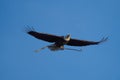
[58, 42]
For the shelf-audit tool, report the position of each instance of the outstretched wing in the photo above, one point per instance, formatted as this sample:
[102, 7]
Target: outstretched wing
[44, 36]
[75, 42]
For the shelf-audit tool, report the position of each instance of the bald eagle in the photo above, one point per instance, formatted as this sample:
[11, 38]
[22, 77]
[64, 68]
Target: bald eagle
[58, 42]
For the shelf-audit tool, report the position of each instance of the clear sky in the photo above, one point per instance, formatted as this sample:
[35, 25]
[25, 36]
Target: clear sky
[83, 19]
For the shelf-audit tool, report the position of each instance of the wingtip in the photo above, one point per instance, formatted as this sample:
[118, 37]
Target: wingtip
[104, 39]
[28, 29]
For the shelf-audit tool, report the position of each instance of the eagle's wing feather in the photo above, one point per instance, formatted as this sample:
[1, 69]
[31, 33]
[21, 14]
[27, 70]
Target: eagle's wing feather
[76, 42]
[45, 36]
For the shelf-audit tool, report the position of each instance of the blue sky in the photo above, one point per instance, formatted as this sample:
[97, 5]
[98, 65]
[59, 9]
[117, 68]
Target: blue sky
[83, 19]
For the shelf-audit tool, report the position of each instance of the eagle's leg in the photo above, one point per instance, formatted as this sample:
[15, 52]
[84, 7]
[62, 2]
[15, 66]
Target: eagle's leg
[38, 50]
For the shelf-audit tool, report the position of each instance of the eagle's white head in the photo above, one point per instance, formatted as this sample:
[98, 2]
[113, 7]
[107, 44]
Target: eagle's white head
[67, 37]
